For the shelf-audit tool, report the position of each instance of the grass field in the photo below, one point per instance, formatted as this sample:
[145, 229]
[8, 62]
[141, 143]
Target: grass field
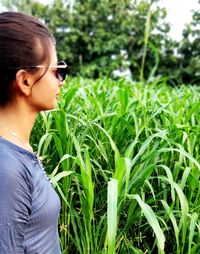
[125, 160]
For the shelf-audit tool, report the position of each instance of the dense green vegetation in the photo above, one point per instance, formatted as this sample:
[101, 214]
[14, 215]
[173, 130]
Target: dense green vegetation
[124, 158]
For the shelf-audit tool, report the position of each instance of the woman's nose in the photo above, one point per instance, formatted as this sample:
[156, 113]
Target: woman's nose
[61, 83]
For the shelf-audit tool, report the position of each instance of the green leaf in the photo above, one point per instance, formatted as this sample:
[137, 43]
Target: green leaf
[153, 222]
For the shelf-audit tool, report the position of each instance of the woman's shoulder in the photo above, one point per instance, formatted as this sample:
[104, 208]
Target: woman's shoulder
[12, 162]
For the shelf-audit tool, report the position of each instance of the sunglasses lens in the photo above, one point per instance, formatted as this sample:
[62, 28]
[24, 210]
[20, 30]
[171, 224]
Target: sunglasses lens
[61, 72]
[59, 75]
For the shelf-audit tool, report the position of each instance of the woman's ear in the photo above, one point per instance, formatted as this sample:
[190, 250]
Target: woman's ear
[23, 82]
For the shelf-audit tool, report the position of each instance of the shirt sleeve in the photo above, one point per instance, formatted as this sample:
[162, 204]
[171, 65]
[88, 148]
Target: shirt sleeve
[15, 207]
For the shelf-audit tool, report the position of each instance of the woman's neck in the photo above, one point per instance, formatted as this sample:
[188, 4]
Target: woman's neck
[16, 125]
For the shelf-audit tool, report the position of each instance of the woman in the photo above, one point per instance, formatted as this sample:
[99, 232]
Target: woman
[30, 81]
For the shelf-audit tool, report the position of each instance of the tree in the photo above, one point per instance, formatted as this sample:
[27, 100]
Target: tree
[189, 51]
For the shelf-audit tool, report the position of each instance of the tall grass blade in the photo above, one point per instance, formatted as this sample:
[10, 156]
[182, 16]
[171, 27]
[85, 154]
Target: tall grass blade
[153, 222]
[112, 198]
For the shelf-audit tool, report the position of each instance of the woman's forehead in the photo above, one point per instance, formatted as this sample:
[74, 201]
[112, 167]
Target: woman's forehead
[51, 58]
[54, 59]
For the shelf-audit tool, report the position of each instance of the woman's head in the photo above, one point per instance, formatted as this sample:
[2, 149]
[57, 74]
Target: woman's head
[25, 42]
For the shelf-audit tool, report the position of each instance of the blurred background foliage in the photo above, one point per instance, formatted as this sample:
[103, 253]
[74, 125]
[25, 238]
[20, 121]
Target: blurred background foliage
[119, 38]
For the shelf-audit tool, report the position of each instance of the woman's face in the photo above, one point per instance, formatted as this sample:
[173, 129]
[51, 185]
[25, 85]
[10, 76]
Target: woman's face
[45, 93]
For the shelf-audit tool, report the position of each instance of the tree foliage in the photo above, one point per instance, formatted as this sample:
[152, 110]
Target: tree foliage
[189, 50]
[99, 37]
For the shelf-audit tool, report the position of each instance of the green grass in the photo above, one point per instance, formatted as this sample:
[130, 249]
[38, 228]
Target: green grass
[124, 158]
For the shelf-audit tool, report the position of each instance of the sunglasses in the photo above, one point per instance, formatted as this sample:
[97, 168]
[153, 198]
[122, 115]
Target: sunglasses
[61, 70]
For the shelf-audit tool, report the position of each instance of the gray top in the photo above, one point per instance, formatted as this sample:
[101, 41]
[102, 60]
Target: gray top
[29, 206]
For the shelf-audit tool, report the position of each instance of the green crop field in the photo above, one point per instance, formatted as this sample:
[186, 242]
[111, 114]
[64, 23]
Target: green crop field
[125, 160]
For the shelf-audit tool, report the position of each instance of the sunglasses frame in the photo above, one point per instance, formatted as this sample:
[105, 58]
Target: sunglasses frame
[60, 70]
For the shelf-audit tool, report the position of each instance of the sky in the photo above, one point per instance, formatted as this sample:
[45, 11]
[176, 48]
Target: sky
[179, 13]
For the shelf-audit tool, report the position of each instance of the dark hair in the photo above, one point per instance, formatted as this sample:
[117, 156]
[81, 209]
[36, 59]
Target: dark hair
[19, 36]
